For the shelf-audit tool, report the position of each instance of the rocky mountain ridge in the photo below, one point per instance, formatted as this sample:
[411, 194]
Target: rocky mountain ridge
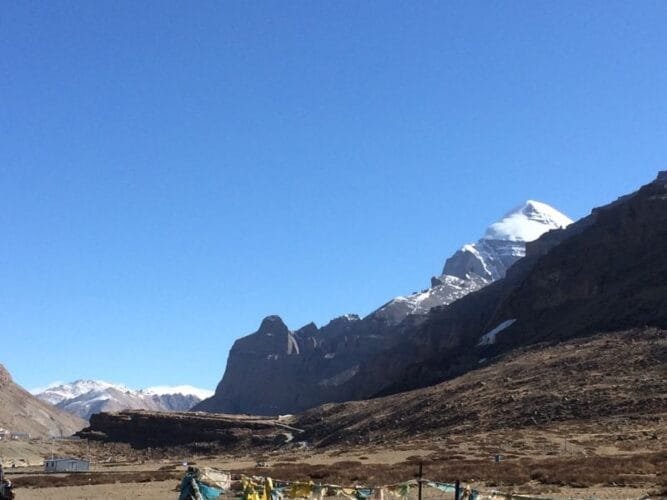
[143, 428]
[276, 370]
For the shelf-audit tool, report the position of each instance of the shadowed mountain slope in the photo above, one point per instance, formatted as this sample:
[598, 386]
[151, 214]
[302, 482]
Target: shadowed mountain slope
[601, 379]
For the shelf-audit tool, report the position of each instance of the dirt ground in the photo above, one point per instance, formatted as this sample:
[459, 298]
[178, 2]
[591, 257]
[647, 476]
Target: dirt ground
[159, 490]
[585, 466]
[166, 489]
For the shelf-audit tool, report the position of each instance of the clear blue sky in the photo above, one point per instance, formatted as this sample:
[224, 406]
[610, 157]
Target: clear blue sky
[172, 172]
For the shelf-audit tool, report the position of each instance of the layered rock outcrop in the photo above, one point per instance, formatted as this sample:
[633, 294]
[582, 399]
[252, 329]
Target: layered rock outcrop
[276, 371]
[143, 428]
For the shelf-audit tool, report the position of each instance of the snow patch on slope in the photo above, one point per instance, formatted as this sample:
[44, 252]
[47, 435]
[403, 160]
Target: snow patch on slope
[490, 337]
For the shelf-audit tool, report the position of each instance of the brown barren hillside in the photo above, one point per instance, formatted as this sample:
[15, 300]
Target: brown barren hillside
[20, 411]
[599, 381]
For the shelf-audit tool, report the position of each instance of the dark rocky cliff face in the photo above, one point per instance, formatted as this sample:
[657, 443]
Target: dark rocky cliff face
[603, 273]
[276, 371]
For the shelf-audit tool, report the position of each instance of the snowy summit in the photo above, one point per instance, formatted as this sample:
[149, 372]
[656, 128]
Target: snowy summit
[527, 222]
[57, 393]
[476, 265]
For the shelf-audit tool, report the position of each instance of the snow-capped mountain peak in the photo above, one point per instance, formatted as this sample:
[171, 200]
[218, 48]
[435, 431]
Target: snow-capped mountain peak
[61, 392]
[527, 222]
[476, 265]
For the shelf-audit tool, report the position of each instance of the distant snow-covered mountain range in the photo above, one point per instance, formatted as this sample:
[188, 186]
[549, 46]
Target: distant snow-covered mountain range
[86, 397]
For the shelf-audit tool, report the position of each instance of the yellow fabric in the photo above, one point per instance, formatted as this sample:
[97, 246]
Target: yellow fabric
[266, 491]
[301, 490]
[249, 492]
[399, 490]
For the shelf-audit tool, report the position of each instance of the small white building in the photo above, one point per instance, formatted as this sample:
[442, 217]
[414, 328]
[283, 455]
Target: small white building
[20, 436]
[66, 465]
